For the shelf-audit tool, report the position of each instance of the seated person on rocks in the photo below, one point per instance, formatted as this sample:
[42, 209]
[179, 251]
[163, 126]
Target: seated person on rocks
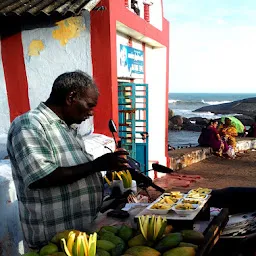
[211, 138]
[228, 132]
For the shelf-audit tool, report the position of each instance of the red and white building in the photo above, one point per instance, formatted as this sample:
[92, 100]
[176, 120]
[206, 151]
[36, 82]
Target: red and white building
[42, 39]
[59, 37]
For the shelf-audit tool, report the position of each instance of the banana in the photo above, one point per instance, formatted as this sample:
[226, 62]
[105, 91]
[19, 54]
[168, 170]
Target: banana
[129, 177]
[75, 248]
[92, 244]
[118, 175]
[85, 244]
[141, 223]
[125, 180]
[71, 240]
[162, 228]
[107, 180]
[151, 226]
[64, 246]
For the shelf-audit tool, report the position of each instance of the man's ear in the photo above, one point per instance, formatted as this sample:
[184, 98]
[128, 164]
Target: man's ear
[71, 98]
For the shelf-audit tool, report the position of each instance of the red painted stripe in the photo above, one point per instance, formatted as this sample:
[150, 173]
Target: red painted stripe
[104, 61]
[166, 24]
[15, 75]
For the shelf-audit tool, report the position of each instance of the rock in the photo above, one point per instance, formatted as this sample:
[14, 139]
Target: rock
[177, 120]
[192, 127]
[245, 107]
[199, 120]
[170, 113]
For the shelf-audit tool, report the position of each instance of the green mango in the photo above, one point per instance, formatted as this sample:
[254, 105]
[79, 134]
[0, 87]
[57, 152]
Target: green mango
[182, 244]
[48, 249]
[192, 236]
[58, 254]
[118, 250]
[142, 251]
[168, 242]
[112, 229]
[181, 251]
[113, 239]
[105, 245]
[30, 254]
[104, 231]
[125, 233]
[137, 240]
[100, 252]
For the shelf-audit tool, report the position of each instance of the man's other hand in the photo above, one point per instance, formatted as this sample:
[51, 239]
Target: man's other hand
[111, 161]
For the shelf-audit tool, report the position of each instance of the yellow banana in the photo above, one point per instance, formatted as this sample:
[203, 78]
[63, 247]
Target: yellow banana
[76, 247]
[129, 177]
[92, 244]
[119, 177]
[151, 225]
[71, 240]
[161, 228]
[107, 180]
[86, 244]
[64, 246]
[125, 180]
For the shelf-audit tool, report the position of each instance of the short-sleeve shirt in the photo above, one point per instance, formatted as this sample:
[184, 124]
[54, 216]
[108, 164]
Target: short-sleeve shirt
[38, 143]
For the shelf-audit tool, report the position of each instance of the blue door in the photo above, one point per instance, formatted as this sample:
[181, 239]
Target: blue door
[133, 121]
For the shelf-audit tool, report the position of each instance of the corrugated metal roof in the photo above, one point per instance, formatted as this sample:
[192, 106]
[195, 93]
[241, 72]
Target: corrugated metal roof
[36, 7]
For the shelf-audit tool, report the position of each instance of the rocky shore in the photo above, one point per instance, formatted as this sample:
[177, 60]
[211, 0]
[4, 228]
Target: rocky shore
[245, 111]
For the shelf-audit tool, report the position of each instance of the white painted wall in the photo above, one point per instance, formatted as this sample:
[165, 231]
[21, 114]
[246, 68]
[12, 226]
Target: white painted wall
[54, 60]
[156, 78]
[11, 236]
[156, 14]
[4, 107]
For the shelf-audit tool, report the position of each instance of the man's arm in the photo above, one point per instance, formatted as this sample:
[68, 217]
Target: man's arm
[32, 153]
[67, 175]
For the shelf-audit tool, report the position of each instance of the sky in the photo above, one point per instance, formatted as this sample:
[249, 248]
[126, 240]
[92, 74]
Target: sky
[212, 45]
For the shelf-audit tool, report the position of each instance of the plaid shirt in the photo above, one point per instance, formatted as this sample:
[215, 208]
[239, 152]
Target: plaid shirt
[38, 143]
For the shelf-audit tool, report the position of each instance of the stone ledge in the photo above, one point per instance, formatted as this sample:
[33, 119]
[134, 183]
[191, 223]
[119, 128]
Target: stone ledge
[182, 158]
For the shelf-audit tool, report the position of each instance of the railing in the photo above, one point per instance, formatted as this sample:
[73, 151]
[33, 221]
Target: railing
[135, 5]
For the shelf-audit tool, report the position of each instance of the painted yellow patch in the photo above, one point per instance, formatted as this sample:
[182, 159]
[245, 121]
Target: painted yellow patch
[68, 29]
[35, 47]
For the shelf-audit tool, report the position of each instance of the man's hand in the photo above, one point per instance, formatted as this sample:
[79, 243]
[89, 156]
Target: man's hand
[111, 161]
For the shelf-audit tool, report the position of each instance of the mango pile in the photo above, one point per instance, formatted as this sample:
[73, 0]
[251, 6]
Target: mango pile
[154, 238]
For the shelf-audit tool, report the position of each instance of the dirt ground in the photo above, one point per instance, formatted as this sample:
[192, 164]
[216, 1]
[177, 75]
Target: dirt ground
[216, 172]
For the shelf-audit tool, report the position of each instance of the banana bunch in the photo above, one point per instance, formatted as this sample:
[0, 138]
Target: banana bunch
[125, 176]
[80, 245]
[152, 227]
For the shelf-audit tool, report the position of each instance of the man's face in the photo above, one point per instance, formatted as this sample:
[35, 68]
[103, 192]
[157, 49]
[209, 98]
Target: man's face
[81, 108]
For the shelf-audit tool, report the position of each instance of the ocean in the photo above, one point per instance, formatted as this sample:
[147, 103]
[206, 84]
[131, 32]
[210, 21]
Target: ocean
[183, 104]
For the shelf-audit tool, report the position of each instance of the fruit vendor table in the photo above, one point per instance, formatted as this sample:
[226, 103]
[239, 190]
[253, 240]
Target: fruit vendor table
[210, 228]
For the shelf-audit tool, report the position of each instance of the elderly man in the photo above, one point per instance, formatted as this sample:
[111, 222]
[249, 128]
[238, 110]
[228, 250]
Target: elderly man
[59, 186]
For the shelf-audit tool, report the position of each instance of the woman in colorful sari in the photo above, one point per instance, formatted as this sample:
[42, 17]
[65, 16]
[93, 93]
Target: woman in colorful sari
[210, 138]
[228, 132]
